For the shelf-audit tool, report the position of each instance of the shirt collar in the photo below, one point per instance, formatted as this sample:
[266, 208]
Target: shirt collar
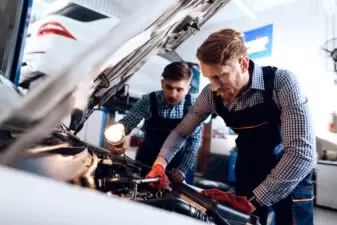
[257, 76]
[162, 102]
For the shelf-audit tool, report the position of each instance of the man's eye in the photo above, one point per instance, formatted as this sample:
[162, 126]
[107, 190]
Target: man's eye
[179, 89]
[216, 78]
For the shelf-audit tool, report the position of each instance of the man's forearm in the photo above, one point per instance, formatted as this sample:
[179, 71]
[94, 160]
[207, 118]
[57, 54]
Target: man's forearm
[299, 156]
[161, 161]
[135, 116]
[192, 147]
[284, 178]
[188, 163]
[171, 146]
[127, 127]
[200, 111]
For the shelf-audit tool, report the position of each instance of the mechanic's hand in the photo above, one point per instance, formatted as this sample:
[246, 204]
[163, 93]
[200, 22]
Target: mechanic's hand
[177, 176]
[117, 150]
[238, 202]
[158, 171]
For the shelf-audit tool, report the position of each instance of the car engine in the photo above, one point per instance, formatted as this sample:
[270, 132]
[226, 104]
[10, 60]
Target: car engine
[64, 157]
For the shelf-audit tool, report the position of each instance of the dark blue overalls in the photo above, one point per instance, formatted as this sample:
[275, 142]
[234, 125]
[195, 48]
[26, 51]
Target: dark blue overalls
[259, 146]
[157, 130]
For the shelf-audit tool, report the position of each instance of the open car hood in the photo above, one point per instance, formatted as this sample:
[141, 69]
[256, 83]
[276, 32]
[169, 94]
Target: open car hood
[38, 144]
[116, 57]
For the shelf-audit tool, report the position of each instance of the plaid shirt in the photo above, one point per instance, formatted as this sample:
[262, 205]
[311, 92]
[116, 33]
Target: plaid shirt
[298, 139]
[142, 111]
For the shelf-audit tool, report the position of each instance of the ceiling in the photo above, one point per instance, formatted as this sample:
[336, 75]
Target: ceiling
[130, 6]
[233, 11]
[230, 12]
[119, 9]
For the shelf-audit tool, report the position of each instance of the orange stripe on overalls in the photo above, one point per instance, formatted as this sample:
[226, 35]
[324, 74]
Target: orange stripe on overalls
[249, 127]
[304, 200]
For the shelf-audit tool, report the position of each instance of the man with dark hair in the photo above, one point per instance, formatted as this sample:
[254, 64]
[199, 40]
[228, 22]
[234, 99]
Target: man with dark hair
[163, 111]
[267, 109]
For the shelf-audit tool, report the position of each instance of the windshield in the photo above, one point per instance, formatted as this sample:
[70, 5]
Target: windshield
[79, 13]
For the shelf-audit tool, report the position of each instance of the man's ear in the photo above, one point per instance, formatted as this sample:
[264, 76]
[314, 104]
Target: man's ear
[244, 63]
[162, 83]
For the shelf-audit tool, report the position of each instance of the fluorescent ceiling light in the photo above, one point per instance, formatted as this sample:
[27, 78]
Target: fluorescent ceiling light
[245, 9]
[330, 6]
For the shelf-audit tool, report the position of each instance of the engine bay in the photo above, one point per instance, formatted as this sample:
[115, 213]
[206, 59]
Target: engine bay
[64, 157]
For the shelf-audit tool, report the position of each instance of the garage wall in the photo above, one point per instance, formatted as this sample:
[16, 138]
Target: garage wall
[92, 129]
[300, 29]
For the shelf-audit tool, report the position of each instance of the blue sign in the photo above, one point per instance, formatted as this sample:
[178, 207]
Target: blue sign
[259, 42]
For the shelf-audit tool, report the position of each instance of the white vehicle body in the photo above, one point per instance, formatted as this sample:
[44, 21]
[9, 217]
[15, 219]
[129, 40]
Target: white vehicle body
[41, 146]
[55, 39]
[32, 200]
[68, 27]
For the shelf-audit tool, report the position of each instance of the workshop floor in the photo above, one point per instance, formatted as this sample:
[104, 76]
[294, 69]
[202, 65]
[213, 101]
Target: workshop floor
[325, 216]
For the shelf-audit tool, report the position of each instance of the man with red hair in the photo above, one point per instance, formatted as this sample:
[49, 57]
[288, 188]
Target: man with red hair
[265, 106]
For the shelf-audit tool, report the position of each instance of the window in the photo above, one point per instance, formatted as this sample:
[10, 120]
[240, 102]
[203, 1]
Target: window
[79, 13]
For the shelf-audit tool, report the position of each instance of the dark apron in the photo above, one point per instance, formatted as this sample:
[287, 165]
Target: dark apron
[260, 148]
[157, 130]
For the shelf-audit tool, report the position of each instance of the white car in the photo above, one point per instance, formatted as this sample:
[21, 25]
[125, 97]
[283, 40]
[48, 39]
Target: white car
[67, 27]
[64, 30]
[60, 179]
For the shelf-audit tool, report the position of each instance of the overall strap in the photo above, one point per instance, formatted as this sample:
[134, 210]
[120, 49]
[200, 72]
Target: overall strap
[188, 103]
[153, 104]
[269, 80]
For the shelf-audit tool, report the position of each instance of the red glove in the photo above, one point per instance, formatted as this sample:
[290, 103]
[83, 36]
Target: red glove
[158, 171]
[238, 202]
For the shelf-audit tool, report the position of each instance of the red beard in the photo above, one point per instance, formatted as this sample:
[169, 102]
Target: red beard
[227, 94]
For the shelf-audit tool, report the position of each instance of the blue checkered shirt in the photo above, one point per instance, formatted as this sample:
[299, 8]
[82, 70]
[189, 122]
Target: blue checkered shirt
[141, 110]
[296, 124]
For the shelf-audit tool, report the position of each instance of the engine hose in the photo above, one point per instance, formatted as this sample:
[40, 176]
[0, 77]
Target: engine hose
[179, 206]
[217, 218]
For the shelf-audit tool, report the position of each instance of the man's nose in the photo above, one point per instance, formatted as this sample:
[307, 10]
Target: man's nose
[215, 86]
[174, 93]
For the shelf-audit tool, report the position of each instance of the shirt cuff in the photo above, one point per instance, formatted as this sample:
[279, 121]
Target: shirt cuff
[167, 155]
[161, 161]
[263, 195]
[183, 168]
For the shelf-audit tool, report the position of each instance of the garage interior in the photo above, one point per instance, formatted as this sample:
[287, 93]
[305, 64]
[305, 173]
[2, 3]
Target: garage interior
[299, 35]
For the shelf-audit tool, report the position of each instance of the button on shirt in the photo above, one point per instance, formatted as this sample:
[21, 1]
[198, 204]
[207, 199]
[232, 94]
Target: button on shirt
[141, 110]
[299, 156]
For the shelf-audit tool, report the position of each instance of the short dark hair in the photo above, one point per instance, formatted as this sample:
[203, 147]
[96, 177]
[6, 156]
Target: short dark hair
[177, 71]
